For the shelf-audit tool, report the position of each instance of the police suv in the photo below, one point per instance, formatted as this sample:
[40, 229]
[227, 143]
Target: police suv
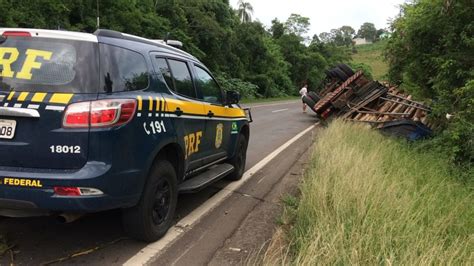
[93, 122]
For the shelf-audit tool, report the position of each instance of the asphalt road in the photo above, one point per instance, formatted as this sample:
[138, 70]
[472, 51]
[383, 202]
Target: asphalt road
[99, 238]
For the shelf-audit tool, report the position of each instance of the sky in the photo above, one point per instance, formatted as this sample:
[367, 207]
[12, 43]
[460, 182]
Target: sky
[326, 14]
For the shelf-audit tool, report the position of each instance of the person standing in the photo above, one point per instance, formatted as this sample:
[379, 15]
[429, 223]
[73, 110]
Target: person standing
[303, 93]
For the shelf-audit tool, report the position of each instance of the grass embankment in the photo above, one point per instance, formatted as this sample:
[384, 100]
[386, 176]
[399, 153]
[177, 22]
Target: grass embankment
[371, 55]
[369, 200]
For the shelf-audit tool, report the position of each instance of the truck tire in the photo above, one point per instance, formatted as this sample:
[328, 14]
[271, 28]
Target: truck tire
[347, 69]
[341, 75]
[309, 102]
[313, 96]
[151, 218]
[239, 159]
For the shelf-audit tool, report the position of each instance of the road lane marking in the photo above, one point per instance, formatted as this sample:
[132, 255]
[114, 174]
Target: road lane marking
[271, 104]
[281, 110]
[149, 252]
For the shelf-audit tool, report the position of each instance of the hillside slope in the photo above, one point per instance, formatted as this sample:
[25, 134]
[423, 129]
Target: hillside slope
[371, 55]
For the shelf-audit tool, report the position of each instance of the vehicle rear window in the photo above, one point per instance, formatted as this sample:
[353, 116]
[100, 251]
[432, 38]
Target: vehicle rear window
[122, 69]
[48, 65]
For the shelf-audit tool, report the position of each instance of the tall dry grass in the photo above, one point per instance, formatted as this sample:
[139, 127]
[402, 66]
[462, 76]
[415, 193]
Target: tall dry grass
[369, 199]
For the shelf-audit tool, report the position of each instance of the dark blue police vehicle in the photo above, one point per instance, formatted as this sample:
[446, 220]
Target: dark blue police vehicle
[93, 122]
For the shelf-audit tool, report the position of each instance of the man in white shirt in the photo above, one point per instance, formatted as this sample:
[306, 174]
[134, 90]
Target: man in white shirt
[303, 93]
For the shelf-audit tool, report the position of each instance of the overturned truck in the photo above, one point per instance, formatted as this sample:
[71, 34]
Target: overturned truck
[354, 97]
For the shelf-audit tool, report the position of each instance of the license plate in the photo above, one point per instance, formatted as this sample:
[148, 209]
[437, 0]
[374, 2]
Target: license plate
[7, 129]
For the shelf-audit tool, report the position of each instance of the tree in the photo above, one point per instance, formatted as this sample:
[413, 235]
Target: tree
[326, 37]
[277, 29]
[431, 54]
[245, 11]
[298, 25]
[367, 31]
[347, 34]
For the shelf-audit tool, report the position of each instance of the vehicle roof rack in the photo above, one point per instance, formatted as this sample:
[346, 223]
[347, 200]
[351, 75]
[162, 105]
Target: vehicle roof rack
[169, 44]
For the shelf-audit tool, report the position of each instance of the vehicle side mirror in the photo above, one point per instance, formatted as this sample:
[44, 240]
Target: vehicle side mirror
[232, 97]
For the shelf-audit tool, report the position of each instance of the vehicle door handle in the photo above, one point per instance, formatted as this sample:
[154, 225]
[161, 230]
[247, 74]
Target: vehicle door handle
[178, 111]
[210, 114]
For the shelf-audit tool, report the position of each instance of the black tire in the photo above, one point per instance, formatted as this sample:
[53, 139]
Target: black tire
[339, 74]
[347, 69]
[239, 159]
[309, 102]
[313, 96]
[151, 218]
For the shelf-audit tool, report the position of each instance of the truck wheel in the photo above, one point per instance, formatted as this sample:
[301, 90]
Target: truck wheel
[309, 102]
[347, 69]
[341, 75]
[151, 218]
[239, 159]
[313, 96]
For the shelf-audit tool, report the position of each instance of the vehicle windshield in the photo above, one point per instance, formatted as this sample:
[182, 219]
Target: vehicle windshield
[48, 65]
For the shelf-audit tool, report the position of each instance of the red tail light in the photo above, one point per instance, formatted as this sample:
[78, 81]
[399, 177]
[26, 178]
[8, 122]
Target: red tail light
[67, 191]
[16, 34]
[102, 113]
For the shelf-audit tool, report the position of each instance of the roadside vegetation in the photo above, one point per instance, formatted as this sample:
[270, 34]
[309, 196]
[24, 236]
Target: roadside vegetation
[431, 55]
[258, 61]
[368, 199]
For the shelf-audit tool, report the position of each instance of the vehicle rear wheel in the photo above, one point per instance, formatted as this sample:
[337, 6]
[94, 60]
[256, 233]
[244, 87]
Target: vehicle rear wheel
[151, 218]
[239, 159]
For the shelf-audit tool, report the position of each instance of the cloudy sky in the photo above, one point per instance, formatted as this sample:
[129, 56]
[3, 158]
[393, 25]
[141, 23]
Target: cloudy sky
[326, 14]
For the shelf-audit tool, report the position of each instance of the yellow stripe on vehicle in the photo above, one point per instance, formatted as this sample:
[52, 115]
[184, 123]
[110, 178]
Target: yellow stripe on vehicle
[38, 97]
[226, 111]
[158, 102]
[150, 103]
[140, 103]
[23, 96]
[186, 107]
[61, 98]
[10, 96]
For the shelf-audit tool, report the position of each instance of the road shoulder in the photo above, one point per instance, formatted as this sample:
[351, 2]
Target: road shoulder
[230, 223]
[253, 235]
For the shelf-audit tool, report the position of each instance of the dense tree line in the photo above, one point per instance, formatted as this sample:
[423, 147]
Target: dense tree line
[431, 54]
[261, 62]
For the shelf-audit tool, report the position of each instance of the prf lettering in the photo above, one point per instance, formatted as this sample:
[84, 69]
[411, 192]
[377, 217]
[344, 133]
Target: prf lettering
[191, 143]
[21, 182]
[8, 56]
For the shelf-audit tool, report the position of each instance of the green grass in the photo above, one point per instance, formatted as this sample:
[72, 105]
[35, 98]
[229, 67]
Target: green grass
[265, 100]
[370, 200]
[371, 55]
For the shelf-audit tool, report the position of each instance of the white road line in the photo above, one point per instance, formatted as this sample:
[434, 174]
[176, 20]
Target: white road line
[271, 104]
[281, 110]
[150, 251]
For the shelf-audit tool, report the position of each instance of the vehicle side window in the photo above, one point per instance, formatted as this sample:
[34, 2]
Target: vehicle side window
[211, 91]
[165, 71]
[122, 69]
[182, 78]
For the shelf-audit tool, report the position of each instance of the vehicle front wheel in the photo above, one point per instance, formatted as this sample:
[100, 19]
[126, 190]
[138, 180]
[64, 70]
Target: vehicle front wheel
[239, 159]
[151, 218]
